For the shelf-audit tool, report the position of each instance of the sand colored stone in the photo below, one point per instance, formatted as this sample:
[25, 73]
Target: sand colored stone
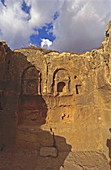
[48, 151]
[57, 100]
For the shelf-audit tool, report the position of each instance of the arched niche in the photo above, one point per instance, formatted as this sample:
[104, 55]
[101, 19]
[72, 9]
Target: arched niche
[32, 109]
[61, 81]
[31, 81]
[61, 87]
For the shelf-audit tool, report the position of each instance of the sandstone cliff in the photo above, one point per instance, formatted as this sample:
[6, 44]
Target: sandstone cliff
[58, 100]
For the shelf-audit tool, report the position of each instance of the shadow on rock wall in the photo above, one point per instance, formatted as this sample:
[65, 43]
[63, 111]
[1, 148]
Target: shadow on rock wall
[31, 109]
[108, 144]
[52, 150]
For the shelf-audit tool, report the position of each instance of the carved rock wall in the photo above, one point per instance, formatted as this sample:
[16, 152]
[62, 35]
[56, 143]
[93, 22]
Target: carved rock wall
[62, 100]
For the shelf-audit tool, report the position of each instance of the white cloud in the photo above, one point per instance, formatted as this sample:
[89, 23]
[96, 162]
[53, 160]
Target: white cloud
[80, 25]
[46, 43]
[14, 26]
[42, 12]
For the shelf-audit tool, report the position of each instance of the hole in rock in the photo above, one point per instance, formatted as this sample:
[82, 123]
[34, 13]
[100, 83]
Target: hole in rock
[77, 89]
[60, 87]
[75, 77]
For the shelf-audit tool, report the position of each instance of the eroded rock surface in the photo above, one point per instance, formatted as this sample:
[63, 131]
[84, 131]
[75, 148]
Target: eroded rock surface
[57, 100]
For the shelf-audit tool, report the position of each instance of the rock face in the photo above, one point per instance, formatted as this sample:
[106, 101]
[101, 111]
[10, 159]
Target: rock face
[58, 100]
[48, 151]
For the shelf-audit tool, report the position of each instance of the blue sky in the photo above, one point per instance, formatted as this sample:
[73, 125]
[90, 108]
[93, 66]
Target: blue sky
[62, 25]
[25, 7]
[43, 33]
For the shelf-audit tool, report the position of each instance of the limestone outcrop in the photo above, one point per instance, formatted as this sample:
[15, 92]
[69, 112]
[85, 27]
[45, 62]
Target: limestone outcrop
[60, 101]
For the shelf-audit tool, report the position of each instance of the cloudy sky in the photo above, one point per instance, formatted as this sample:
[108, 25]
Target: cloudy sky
[63, 25]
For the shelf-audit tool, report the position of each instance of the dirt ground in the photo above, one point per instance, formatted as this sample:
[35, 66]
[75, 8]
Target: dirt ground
[26, 160]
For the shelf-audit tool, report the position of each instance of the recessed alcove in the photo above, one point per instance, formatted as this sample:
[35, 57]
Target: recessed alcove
[77, 87]
[75, 77]
[61, 82]
[61, 87]
[31, 81]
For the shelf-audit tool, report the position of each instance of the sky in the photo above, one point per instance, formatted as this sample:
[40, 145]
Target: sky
[62, 25]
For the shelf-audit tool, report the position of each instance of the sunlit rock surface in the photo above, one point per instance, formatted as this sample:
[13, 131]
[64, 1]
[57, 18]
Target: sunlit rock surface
[56, 100]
